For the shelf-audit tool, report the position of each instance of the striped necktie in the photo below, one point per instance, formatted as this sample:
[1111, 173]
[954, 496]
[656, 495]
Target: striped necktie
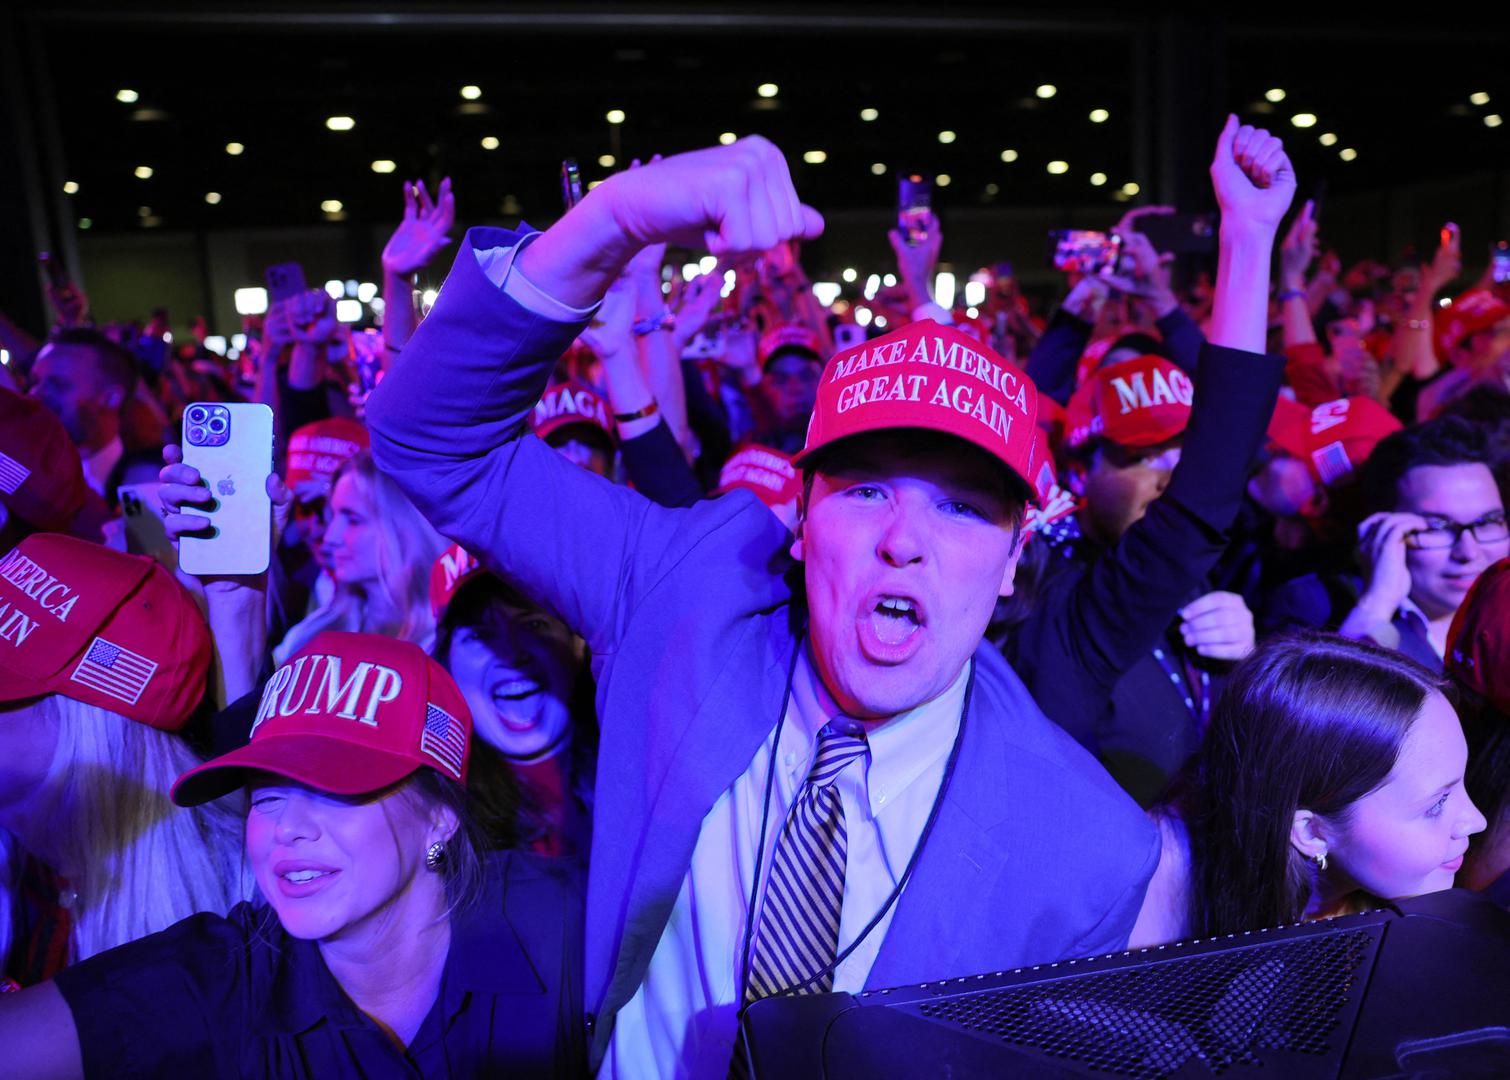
[799, 921]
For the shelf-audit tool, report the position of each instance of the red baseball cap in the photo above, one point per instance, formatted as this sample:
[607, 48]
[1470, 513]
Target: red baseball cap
[1139, 402]
[769, 473]
[1478, 643]
[1333, 438]
[101, 627]
[1475, 310]
[41, 477]
[930, 376]
[1054, 502]
[317, 450]
[451, 571]
[348, 714]
[568, 403]
[786, 337]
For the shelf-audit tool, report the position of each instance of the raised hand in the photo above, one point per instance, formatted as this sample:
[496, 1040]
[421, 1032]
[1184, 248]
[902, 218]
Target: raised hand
[424, 231]
[916, 263]
[699, 298]
[1447, 263]
[182, 490]
[1386, 574]
[1252, 176]
[611, 332]
[1300, 246]
[312, 317]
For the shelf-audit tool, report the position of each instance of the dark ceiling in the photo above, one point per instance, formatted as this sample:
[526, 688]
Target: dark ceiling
[1397, 95]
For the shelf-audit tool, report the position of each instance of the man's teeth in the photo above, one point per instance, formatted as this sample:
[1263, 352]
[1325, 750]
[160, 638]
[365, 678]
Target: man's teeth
[299, 877]
[898, 609]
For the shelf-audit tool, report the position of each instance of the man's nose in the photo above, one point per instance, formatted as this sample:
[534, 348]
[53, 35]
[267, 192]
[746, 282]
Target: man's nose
[902, 542]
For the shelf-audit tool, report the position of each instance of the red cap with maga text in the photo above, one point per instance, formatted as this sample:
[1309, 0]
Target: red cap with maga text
[568, 403]
[769, 473]
[348, 714]
[1335, 437]
[455, 567]
[1139, 402]
[788, 336]
[101, 627]
[317, 450]
[930, 376]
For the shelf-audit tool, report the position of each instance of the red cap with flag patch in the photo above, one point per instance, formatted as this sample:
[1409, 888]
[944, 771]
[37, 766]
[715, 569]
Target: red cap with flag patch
[1333, 438]
[769, 473]
[41, 477]
[1139, 402]
[317, 450]
[568, 403]
[930, 376]
[1475, 310]
[101, 627]
[788, 336]
[1478, 643]
[348, 714]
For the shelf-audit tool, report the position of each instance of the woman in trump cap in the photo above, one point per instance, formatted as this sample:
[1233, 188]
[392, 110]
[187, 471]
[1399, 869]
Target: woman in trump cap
[384, 942]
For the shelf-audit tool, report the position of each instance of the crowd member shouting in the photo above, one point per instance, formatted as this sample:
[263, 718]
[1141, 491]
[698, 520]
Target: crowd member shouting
[1120, 649]
[387, 945]
[103, 657]
[743, 674]
[1331, 780]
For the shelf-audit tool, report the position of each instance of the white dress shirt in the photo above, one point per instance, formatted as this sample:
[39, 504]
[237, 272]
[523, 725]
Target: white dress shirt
[98, 465]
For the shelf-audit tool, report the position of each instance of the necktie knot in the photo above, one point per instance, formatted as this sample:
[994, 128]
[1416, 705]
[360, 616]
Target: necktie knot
[839, 742]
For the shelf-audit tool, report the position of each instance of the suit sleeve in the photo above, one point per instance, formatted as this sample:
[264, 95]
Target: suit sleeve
[1182, 340]
[1052, 363]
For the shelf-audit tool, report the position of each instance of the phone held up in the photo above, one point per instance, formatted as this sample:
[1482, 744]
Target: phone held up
[231, 444]
[1499, 262]
[571, 183]
[284, 281]
[914, 207]
[1084, 251]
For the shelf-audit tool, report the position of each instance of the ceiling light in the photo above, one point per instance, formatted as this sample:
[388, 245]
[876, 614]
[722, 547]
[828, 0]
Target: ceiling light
[1097, 179]
[869, 114]
[1009, 155]
[878, 168]
[1059, 168]
[471, 93]
[993, 189]
[335, 289]
[1479, 98]
[943, 179]
[383, 165]
[1100, 116]
[70, 187]
[144, 211]
[86, 223]
[1303, 119]
[606, 160]
[490, 142]
[614, 116]
[850, 274]
[366, 291]
[126, 97]
[1328, 139]
[1348, 154]
[1276, 95]
[1493, 120]
[331, 206]
[1130, 189]
[815, 157]
[235, 149]
[252, 301]
[340, 123]
[946, 137]
[1047, 90]
[144, 172]
[767, 89]
[728, 138]
[212, 197]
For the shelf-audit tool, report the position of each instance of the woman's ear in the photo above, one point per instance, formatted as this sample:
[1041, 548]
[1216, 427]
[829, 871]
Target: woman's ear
[443, 824]
[1307, 835]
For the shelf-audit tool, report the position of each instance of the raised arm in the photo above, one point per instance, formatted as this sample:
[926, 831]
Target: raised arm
[420, 236]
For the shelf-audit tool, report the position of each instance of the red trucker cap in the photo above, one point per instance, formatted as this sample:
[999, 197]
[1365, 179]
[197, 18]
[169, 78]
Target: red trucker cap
[317, 450]
[769, 473]
[1139, 402]
[568, 403]
[788, 336]
[1333, 438]
[41, 476]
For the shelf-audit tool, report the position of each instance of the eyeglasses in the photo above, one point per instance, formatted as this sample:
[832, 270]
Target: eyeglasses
[1444, 532]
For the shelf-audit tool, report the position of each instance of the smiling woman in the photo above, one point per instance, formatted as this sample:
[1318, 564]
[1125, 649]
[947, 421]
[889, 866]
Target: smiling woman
[386, 942]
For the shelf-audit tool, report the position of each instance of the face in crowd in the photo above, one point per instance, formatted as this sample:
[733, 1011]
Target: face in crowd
[516, 665]
[352, 541]
[73, 384]
[1408, 836]
[907, 540]
[1121, 483]
[1444, 567]
[791, 378]
[338, 867]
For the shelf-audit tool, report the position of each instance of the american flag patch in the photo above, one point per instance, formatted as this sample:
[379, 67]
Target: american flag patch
[12, 474]
[1332, 462]
[444, 739]
[112, 670]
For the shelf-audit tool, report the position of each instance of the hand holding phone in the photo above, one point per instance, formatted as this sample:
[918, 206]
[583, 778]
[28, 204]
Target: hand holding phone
[1085, 251]
[227, 458]
[914, 207]
[1499, 262]
[571, 183]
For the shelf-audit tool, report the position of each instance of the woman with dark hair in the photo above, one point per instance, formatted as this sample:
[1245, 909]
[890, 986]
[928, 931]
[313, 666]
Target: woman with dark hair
[387, 945]
[524, 676]
[1330, 779]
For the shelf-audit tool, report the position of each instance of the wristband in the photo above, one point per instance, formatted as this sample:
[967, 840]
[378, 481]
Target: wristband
[638, 414]
[1418, 324]
[1291, 294]
[650, 324]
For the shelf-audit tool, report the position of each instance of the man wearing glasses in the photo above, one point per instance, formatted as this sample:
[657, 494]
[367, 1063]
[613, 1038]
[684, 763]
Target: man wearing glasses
[1437, 521]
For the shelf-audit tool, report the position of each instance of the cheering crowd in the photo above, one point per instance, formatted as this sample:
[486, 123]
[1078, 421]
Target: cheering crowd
[641, 648]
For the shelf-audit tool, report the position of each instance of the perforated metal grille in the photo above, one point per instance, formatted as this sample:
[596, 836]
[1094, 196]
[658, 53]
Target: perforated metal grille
[1223, 1008]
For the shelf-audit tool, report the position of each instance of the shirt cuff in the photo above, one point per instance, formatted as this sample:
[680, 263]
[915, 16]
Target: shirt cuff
[497, 266]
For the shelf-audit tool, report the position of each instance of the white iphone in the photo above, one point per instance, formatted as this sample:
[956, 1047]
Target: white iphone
[231, 444]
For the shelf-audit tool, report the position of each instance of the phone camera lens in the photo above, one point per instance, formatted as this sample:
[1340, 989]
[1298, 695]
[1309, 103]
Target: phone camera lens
[196, 435]
[217, 424]
[196, 415]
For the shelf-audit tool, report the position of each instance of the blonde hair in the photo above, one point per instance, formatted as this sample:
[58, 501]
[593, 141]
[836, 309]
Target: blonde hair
[407, 549]
[137, 863]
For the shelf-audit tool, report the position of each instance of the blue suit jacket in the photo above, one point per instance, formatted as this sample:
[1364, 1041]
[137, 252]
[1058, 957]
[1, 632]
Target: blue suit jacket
[1036, 855]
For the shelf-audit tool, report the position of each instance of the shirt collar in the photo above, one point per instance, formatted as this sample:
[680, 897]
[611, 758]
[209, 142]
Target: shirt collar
[902, 747]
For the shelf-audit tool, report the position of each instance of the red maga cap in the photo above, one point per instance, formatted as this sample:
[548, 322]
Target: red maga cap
[568, 403]
[1334, 438]
[1139, 402]
[348, 714]
[769, 473]
[933, 377]
[451, 571]
[1054, 502]
[788, 336]
[41, 477]
[1478, 643]
[1475, 310]
[101, 627]
[316, 451]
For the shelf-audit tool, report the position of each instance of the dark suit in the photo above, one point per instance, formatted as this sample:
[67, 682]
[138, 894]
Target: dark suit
[1323, 601]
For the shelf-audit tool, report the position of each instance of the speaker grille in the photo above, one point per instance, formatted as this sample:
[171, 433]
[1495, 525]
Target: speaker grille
[1224, 1009]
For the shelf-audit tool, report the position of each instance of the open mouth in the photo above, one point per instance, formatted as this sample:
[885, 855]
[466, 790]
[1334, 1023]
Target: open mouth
[895, 619]
[517, 702]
